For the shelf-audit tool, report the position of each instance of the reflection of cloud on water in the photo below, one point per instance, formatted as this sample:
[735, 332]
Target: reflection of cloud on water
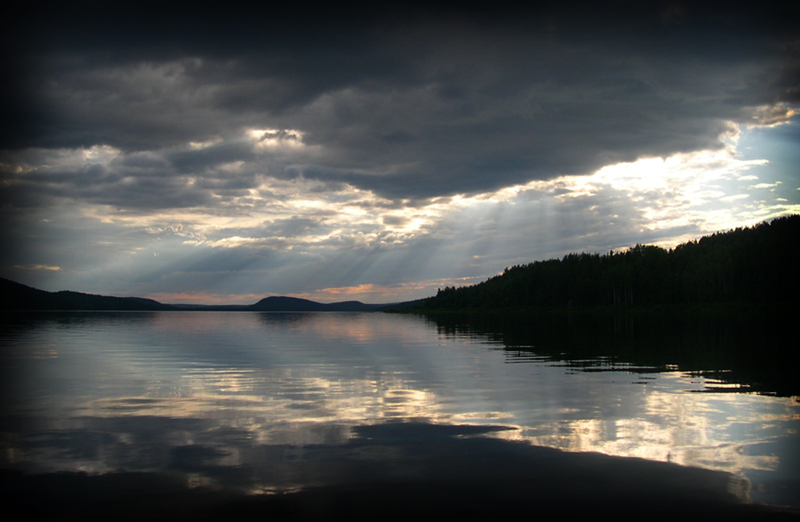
[408, 467]
[706, 430]
[229, 409]
[273, 398]
[235, 411]
[139, 433]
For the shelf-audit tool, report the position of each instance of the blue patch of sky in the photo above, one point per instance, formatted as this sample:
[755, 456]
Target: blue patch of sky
[780, 145]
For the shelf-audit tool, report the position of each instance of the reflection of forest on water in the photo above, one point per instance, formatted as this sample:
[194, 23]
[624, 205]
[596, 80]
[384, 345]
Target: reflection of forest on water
[740, 351]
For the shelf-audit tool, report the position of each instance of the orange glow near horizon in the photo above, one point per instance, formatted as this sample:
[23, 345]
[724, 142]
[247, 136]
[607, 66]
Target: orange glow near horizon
[368, 293]
[204, 298]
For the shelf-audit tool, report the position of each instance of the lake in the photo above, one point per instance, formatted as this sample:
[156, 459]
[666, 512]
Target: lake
[354, 415]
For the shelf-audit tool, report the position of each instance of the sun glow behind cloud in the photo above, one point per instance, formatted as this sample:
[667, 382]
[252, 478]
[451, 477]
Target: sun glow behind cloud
[667, 192]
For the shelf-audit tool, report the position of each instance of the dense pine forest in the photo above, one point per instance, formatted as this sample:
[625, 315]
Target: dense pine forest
[757, 265]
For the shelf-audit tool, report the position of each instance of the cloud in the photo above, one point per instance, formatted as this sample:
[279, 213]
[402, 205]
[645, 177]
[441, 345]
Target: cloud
[352, 245]
[39, 267]
[194, 151]
[436, 104]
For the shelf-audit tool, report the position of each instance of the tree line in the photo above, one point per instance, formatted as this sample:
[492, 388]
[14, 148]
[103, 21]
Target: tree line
[758, 265]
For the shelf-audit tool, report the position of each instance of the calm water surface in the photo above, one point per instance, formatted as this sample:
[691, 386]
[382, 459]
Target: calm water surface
[280, 402]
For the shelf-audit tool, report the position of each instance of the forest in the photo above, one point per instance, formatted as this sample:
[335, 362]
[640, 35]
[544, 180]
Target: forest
[754, 265]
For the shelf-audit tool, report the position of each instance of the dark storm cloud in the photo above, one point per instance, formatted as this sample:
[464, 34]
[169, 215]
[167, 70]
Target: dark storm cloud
[209, 157]
[407, 102]
[101, 185]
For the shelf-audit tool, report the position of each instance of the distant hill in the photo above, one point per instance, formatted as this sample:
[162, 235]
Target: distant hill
[294, 304]
[16, 296]
[757, 265]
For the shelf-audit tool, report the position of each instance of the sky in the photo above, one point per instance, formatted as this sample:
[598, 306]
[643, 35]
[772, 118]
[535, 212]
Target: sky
[221, 155]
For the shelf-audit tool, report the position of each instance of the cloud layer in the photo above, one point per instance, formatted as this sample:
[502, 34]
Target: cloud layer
[273, 133]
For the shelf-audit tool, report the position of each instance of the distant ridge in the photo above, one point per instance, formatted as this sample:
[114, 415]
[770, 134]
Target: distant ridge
[16, 296]
[295, 304]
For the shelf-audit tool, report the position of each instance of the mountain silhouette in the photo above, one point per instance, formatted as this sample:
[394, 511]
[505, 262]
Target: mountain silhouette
[16, 296]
